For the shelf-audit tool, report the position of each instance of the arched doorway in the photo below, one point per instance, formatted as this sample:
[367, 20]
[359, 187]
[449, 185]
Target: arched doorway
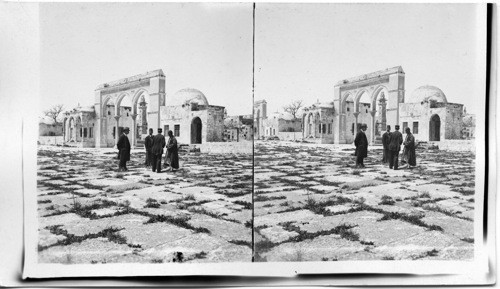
[435, 128]
[196, 131]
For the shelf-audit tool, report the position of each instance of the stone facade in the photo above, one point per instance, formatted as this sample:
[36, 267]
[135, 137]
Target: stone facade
[280, 122]
[47, 127]
[139, 102]
[469, 126]
[430, 117]
[260, 114]
[318, 123]
[384, 86]
[80, 127]
[238, 128]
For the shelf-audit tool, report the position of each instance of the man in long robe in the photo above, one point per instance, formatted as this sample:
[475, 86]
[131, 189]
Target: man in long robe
[395, 142]
[385, 142]
[409, 143]
[157, 150]
[172, 158]
[361, 143]
[148, 144]
[123, 146]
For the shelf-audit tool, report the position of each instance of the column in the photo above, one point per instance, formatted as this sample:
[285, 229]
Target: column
[372, 136]
[134, 129]
[117, 117]
[356, 122]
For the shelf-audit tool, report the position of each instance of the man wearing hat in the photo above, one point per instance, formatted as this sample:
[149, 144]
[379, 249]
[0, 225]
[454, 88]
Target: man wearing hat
[157, 151]
[148, 144]
[361, 143]
[123, 146]
[395, 141]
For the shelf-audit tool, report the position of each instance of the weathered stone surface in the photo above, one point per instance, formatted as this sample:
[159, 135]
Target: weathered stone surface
[277, 234]
[330, 247]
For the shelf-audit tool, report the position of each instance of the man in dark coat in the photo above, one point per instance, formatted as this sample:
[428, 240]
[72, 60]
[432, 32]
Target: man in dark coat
[385, 142]
[123, 146]
[148, 144]
[157, 150]
[361, 143]
[395, 141]
[172, 158]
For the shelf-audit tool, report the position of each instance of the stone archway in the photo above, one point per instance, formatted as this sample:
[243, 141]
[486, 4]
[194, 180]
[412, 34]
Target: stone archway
[392, 79]
[152, 83]
[435, 128]
[196, 129]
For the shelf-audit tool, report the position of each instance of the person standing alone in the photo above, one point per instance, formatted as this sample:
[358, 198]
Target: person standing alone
[123, 146]
[157, 151]
[148, 144]
[385, 142]
[395, 142]
[361, 143]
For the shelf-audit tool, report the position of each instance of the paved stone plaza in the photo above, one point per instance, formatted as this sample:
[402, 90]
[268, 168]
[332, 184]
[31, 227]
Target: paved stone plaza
[89, 213]
[312, 205]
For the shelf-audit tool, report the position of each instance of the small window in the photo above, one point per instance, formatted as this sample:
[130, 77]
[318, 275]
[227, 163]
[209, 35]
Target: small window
[324, 128]
[415, 127]
[90, 132]
[405, 125]
[109, 112]
[348, 109]
[81, 132]
[367, 110]
[329, 128]
[85, 132]
[177, 129]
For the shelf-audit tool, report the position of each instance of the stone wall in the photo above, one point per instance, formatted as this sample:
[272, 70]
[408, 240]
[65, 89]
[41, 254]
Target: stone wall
[454, 121]
[45, 129]
[215, 124]
[290, 136]
[456, 145]
[242, 147]
[50, 140]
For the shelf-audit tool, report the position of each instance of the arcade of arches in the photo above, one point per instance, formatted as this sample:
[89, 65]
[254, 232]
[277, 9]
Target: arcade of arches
[139, 102]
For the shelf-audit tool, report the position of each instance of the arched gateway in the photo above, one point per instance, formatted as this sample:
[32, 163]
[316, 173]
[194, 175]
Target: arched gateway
[118, 101]
[382, 90]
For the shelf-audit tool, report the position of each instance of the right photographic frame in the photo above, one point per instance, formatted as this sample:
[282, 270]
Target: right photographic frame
[369, 128]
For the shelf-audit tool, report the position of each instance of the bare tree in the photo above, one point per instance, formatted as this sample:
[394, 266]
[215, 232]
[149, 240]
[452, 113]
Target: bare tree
[293, 108]
[54, 112]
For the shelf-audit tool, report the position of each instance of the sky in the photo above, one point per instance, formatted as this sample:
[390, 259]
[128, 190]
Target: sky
[301, 51]
[203, 46]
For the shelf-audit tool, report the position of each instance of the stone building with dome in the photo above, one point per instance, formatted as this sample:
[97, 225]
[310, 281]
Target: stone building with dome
[430, 116]
[192, 120]
[140, 103]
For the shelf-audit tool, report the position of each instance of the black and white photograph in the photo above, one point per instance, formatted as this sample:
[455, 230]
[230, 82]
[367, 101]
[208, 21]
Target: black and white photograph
[365, 132]
[255, 140]
[145, 138]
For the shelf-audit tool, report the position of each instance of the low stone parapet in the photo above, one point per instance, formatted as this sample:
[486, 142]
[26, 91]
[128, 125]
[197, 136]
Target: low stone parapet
[243, 147]
[50, 140]
[456, 145]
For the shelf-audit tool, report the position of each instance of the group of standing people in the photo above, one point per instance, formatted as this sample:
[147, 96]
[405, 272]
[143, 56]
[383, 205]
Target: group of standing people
[391, 142]
[154, 150]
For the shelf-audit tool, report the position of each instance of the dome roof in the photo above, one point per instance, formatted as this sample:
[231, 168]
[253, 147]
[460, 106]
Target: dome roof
[426, 93]
[188, 95]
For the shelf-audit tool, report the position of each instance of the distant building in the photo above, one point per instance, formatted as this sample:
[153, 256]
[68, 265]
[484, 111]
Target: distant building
[278, 122]
[430, 116]
[139, 102]
[47, 127]
[469, 126]
[238, 128]
[260, 114]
